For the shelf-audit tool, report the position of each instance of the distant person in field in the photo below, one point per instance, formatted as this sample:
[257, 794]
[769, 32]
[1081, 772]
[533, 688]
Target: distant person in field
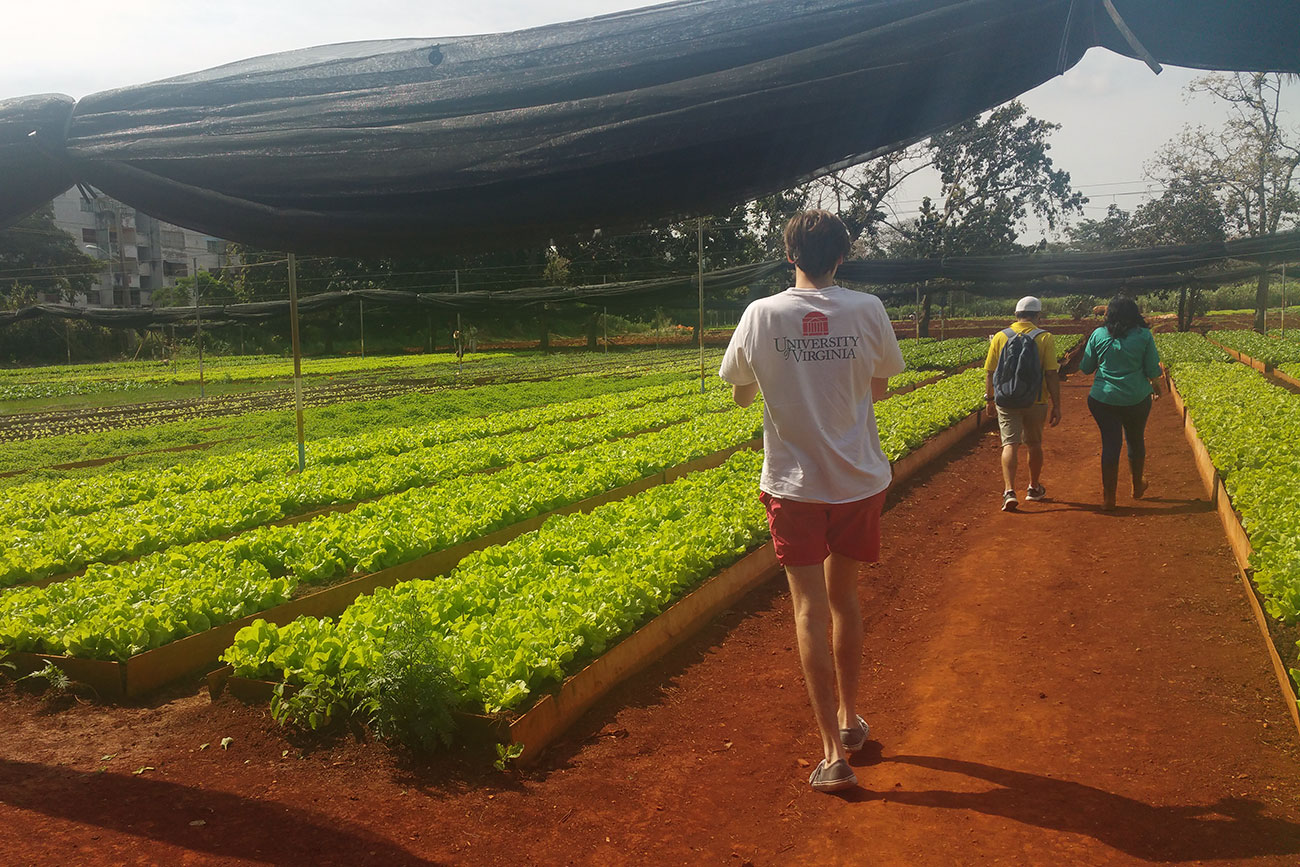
[1021, 375]
[821, 355]
[1123, 354]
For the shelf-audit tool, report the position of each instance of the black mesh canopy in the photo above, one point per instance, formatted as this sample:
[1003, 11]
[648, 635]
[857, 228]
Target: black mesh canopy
[1143, 270]
[684, 108]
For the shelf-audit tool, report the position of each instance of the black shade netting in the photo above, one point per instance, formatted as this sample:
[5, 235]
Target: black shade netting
[685, 108]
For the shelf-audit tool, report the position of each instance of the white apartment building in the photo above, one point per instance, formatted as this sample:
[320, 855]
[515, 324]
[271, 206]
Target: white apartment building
[143, 254]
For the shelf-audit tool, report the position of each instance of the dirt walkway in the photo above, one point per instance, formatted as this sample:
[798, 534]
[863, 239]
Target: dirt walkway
[1058, 686]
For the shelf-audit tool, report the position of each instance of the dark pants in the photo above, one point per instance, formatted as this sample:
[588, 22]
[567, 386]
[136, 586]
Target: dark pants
[1119, 423]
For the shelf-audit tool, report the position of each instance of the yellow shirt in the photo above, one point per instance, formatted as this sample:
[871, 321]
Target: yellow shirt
[1046, 351]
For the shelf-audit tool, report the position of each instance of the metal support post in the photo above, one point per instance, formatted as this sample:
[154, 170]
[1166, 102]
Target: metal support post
[198, 324]
[699, 237]
[460, 337]
[297, 358]
[363, 326]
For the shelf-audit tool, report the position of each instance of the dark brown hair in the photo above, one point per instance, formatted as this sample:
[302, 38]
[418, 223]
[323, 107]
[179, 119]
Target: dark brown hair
[1122, 316]
[815, 241]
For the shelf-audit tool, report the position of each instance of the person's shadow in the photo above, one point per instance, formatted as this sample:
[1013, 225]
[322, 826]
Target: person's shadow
[1229, 828]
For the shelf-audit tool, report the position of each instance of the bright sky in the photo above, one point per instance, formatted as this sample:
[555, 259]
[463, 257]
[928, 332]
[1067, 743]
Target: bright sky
[1114, 112]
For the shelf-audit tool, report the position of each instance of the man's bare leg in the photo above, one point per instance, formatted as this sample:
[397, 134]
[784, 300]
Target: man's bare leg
[846, 632]
[1010, 455]
[812, 616]
[1035, 464]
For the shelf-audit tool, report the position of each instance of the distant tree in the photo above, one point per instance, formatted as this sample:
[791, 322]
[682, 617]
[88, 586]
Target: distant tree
[182, 294]
[860, 195]
[1187, 212]
[38, 256]
[994, 173]
[1250, 163]
[1115, 231]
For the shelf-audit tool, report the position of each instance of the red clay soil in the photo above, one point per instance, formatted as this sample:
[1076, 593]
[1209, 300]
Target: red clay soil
[1058, 686]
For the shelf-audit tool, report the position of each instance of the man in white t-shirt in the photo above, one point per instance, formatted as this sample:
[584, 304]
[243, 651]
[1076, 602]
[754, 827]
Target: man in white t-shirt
[821, 355]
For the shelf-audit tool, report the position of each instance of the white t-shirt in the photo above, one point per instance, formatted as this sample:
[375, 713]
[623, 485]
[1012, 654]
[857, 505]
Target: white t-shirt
[813, 353]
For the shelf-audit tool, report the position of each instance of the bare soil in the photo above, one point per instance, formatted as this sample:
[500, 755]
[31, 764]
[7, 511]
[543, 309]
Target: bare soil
[1054, 686]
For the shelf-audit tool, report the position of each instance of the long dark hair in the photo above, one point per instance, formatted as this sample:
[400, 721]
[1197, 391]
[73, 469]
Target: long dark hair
[1122, 316]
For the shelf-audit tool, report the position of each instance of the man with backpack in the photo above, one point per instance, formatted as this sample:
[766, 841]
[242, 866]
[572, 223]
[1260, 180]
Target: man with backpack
[1020, 376]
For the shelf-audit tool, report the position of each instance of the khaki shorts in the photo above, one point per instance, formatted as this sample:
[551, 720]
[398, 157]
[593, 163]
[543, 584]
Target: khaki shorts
[1022, 425]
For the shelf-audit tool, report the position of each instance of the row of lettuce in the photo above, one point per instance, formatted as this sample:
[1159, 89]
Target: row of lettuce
[60, 525]
[58, 528]
[1249, 427]
[114, 611]
[45, 422]
[65, 380]
[55, 528]
[271, 429]
[516, 618]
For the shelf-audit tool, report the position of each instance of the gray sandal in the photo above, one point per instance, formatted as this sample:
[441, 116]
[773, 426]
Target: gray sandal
[833, 777]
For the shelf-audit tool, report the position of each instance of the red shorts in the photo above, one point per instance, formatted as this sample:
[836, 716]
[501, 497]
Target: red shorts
[805, 533]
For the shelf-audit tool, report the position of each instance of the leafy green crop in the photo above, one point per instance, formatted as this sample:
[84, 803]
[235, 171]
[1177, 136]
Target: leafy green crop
[1187, 346]
[1260, 347]
[241, 492]
[516, 617]
[1249, 427]
[926, 353]
[907, 420]
[97, 615]
[115, 611]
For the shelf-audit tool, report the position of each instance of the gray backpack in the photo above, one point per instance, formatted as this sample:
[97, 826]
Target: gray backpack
[1018, 379]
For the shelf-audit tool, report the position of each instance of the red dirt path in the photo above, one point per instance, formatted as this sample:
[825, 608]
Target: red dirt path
[1058, 686]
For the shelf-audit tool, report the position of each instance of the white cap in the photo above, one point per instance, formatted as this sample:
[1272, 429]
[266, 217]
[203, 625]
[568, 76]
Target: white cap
[1029, 304]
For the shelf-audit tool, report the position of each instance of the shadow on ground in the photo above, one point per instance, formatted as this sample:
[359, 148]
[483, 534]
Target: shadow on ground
[269, 832]
[1229, 828]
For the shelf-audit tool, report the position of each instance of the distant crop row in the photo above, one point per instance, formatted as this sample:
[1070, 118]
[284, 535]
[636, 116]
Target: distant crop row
[38, 546]
[269, 428]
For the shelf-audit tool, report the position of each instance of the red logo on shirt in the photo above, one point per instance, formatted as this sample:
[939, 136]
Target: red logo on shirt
[816, 324]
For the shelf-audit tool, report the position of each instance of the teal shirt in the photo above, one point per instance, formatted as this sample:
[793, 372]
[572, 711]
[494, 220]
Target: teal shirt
[1123, 365]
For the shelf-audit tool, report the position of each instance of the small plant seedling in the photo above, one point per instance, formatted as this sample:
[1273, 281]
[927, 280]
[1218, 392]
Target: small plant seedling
[226, 742]
[53, 676]
[507, 753]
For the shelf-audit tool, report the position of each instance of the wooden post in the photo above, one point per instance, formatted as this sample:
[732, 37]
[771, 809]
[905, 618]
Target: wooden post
[297, 358]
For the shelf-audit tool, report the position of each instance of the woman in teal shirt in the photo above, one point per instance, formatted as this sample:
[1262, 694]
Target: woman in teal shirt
[1123, 355]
